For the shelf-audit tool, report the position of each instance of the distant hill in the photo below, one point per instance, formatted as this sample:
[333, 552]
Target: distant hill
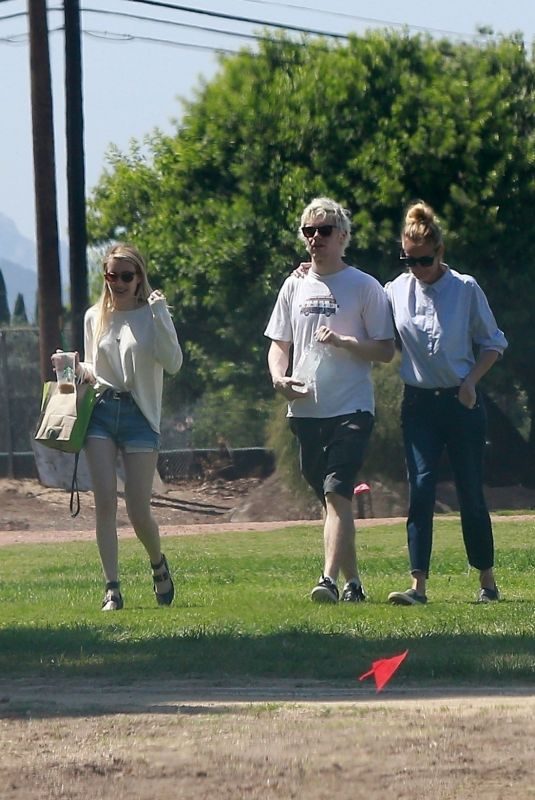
[18, 262]
[20, 280]
[14, 246]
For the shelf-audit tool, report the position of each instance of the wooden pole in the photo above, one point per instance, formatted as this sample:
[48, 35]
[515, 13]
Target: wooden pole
[75, 173]
[48, 271]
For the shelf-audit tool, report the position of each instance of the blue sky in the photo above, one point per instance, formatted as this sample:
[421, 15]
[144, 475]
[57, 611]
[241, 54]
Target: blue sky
[132, 85]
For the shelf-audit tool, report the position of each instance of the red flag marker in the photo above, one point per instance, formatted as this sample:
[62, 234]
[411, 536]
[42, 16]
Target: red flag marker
[383, 669]
[361, 488]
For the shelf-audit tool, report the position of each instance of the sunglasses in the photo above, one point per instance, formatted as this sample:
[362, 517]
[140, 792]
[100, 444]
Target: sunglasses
[412, 261]
[113, 277]
[308, 231]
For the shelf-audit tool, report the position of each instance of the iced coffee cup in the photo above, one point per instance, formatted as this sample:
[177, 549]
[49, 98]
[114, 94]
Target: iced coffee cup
[65, 365]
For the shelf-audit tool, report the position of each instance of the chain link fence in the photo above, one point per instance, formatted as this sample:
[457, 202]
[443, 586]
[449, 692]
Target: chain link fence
[20, 400]
[20, 393]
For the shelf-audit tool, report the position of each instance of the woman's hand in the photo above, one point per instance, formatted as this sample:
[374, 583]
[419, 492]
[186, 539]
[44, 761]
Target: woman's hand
[302, 270]
[57, 361]
[467, 393]
[155, 297]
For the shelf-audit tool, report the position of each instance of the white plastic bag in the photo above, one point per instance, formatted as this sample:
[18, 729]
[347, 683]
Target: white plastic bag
[307, 366]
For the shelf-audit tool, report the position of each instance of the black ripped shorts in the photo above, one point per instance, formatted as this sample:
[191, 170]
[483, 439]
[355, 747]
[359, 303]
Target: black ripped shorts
[332, 450]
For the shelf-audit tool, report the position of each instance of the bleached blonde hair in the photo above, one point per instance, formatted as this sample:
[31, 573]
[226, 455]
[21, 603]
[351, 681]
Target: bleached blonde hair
[332, 212]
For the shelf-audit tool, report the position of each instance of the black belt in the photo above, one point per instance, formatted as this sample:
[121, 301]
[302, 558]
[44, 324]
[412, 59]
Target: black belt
[437, 392]
[113, 394]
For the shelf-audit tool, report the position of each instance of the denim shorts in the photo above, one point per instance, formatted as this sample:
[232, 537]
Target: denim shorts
[117, 417]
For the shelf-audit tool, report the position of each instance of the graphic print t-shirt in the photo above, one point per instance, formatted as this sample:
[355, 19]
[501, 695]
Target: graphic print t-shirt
[349, 302]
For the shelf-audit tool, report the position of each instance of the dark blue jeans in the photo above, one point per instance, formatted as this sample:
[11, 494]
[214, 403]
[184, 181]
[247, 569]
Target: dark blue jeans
[431, 421]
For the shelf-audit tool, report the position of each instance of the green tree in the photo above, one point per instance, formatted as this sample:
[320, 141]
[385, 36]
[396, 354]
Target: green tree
[5, 316]
[375, 123]
[19, 312]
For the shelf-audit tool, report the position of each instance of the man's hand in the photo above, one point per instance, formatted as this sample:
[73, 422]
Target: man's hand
[327, 336]
[285, 386]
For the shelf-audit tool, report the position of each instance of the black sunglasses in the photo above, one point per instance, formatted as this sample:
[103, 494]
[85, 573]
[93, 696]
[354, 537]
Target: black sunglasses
[308, 231]
[113, 277]
[412, 261]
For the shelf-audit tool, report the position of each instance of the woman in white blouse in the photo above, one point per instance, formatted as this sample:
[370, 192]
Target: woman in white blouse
[442, 317]
[130, 340]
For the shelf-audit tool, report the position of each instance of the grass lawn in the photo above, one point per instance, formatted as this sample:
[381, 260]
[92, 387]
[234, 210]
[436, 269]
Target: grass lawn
[242, 611]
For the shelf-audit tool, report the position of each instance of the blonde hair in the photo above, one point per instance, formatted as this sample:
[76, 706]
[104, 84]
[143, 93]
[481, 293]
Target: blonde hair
[421, 224]
[326, 209]
[104, 304]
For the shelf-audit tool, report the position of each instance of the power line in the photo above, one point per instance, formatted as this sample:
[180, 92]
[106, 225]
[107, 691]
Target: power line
[14, 16]
[236, 34]
[127, 38]
[124, 38]
[373, 20]
[189, 26]
[237, 18]
[17, 39]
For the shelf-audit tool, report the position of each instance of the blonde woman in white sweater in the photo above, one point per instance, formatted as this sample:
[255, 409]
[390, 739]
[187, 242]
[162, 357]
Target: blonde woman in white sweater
[130, 340]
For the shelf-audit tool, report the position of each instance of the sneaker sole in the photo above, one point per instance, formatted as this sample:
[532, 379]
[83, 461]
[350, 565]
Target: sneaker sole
[401, 599]
[321, 595]
[111, 606]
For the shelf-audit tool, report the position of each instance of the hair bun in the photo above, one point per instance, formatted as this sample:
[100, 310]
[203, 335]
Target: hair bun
[421, 224]
[420, 213]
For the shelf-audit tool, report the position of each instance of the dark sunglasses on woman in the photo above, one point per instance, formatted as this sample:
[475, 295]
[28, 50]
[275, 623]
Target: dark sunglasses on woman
[113, 277]
[415, 261]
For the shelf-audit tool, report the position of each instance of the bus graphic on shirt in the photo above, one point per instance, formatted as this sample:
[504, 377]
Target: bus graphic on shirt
[320, 305]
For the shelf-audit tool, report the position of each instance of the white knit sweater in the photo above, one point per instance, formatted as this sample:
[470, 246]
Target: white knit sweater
[131, 355]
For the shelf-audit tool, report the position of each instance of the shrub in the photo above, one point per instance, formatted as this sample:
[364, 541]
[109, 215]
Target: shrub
[227, 416]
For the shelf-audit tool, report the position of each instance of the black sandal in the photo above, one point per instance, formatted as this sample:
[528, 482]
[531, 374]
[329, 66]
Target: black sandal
[162, 598]
[113, 600]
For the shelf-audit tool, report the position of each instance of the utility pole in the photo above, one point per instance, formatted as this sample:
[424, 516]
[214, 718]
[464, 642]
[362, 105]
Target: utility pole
[75, 172]
[48, 272]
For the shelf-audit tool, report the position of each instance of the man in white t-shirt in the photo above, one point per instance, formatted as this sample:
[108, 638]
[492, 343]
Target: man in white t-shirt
[342, 313]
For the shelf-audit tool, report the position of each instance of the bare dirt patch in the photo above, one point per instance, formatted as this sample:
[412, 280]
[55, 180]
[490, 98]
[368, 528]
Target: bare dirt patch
[188, 740]
[27, 505]
[32, 512]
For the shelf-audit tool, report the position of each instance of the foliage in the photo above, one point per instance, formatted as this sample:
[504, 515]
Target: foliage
[286, 448]
[231, 621]
[5, 316]
[228, 418]
[374, 123]
[385, 458]
[19, 312]
[95, 255]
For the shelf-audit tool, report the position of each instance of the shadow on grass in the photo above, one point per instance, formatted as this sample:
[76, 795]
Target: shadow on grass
[232, 656]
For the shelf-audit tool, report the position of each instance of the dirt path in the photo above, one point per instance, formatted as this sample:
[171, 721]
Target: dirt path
[49, 536]
[179, 739]
[10, 537]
